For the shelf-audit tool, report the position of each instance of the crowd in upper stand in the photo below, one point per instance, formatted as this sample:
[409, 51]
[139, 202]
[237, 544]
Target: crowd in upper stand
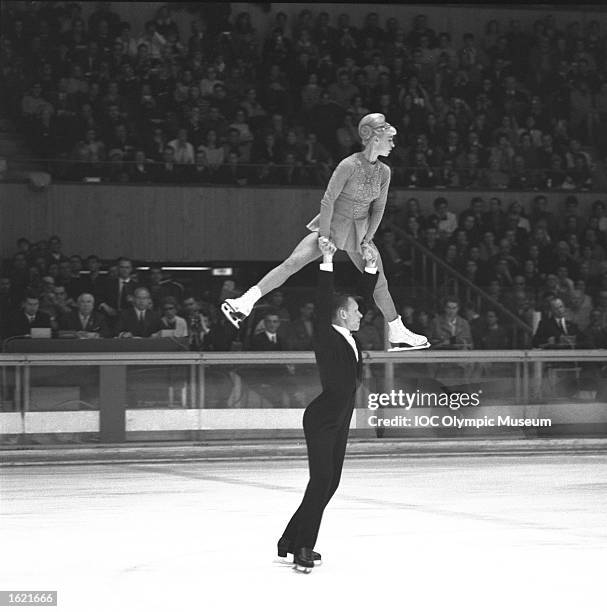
[504, 106]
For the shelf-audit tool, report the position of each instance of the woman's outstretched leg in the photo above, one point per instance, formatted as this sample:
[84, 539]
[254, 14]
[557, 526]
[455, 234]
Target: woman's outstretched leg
[304, 253]
[398, 334]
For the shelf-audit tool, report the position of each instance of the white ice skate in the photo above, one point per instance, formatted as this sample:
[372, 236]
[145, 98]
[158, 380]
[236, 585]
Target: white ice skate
[233, 312]
[238, 309]
[402, 339]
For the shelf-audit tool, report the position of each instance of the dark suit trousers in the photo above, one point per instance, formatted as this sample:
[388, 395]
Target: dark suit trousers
[326, 444]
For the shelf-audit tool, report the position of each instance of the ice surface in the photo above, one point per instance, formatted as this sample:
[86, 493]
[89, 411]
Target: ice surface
[406, 533]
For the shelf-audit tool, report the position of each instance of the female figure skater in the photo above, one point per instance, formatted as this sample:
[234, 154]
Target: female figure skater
[350, 213]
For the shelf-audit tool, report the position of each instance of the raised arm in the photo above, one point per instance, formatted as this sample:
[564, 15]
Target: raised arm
[379, 205]
[338, 179]
[325, 289]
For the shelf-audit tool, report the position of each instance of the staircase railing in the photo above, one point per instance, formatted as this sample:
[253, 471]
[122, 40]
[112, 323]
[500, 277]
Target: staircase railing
[435, 269]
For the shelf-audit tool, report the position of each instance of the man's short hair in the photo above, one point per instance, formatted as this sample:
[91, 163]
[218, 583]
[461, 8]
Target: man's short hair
[31, 295]
[340, 300]
[140, 289]
[271, 312]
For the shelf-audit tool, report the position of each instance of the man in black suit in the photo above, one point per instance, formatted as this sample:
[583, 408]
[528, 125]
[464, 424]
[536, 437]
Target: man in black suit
[84, 322]
[269, 339]
[119, 291]
[552, 329]
[326, 420]
[29, 316]
[139, 321]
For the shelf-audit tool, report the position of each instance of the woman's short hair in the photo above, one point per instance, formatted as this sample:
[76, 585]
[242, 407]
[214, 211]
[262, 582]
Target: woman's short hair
[373, 124]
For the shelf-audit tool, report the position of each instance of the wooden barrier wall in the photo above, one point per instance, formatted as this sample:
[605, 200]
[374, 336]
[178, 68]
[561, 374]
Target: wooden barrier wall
[188, 224]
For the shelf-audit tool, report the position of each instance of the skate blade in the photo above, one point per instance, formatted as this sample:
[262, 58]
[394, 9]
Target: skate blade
[302, 569]
[409, 348]
[288, 560]
[234, 317]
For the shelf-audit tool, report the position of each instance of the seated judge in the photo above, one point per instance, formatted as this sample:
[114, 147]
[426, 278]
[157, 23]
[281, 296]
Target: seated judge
[85, 322]
[139, 321]
[555, 330]
[27, 317]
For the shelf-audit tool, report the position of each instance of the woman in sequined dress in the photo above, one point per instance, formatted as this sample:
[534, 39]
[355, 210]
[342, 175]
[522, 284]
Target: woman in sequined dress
[350, 213]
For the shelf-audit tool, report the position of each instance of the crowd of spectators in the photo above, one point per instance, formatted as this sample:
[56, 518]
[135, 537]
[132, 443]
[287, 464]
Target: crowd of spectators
[523, 260]
[508, 106]
[76, 297]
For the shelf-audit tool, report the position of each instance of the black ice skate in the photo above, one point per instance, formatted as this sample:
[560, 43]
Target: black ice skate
[284, 548]
[304, 560]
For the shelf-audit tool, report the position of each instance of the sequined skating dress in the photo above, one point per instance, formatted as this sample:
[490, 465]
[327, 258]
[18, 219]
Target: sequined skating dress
[354, 202]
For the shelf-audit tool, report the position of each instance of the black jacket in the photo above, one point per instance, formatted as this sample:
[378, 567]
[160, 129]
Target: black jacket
[96, 323]
[129, 322]
[261, 342]
[549, 327]
[339, 370]
[19, 324]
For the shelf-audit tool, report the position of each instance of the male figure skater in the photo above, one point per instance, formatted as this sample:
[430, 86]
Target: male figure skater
[326, 420]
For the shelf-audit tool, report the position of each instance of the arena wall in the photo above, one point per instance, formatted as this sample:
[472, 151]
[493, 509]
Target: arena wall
[192, 223]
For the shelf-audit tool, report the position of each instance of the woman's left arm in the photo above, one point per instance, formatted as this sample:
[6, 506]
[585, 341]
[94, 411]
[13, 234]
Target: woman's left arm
[378, 206]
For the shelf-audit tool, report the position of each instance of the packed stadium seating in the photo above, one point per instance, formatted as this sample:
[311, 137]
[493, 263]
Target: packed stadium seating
[502, 108]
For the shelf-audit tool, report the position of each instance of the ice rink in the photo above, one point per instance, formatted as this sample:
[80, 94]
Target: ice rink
[402, 533]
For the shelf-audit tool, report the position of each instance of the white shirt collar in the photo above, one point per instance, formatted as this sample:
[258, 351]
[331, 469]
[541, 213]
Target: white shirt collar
[348, 336]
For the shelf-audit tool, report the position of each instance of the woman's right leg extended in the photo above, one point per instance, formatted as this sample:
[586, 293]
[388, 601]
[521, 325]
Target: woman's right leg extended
[304, 253]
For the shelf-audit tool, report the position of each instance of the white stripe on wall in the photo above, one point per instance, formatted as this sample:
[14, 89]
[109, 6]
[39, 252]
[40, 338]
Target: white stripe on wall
[179, 419]
[11, 423]
[74, 421]
[229, 418]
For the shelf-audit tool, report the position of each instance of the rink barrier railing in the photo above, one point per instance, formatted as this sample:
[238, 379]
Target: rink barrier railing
[110, 419]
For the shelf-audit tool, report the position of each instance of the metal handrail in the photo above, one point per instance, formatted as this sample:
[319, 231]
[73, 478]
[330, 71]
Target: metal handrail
[301, 357]
[459, 276]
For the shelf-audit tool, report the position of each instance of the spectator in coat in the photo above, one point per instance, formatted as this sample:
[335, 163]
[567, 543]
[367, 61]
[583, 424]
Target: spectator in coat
[449, 330]
[85, 322]
[268, 340]
[555, 330]
[139, 321]
[27, 317]
[118, 294]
